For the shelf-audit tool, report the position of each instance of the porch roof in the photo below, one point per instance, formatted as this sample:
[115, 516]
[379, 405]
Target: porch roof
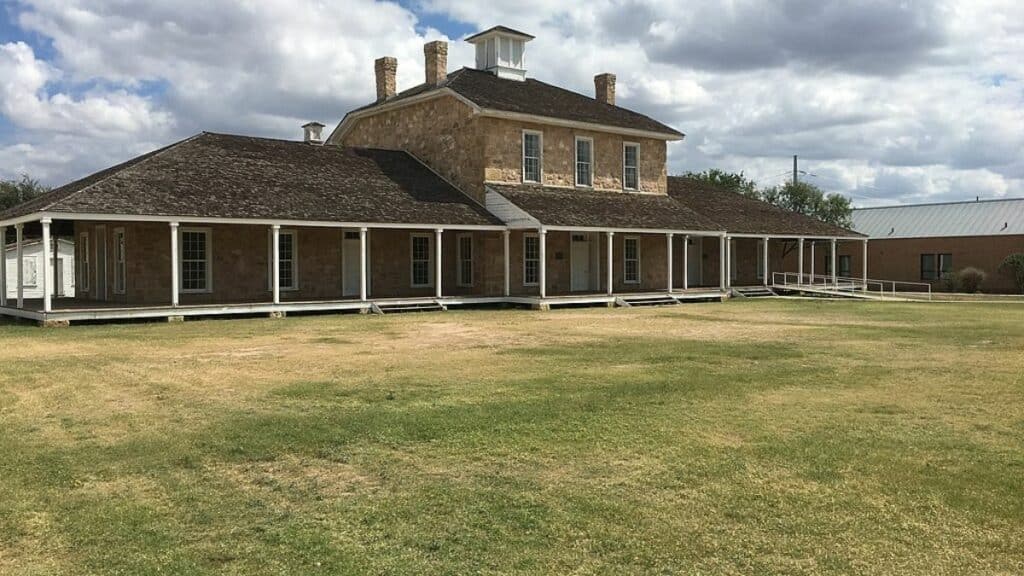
[225, 176]
[583, 208]
[742, 215]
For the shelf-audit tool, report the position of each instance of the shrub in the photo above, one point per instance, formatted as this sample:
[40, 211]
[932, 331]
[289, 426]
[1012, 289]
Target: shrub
[970, 279]
[1014, 267]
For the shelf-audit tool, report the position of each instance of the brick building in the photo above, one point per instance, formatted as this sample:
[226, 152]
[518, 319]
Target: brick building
[478, 186]
[929, 242]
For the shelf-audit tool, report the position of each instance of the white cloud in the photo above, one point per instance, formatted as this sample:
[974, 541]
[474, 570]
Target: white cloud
[882, 100]
[24, 102]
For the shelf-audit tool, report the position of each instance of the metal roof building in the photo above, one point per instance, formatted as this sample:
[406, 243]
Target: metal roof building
[1003, 217]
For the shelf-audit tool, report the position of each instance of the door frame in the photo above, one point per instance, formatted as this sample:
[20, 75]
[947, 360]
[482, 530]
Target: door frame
[369, 263]
[590, 261]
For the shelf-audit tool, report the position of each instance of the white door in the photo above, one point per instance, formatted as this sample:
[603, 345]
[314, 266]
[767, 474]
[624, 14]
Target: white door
[580, 260]
[350, 264]
[693, 261]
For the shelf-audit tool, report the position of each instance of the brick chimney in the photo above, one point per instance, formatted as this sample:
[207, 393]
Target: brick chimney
[436, 61]
[386, 68]
[604, 88]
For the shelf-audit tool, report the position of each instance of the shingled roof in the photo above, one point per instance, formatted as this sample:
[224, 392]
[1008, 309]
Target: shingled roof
[596, 209]
[535, 98]
[225, 176]
[740, 214]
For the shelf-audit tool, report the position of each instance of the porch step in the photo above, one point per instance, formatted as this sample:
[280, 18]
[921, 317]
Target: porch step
[753, 292]
[399, 307]
[630, 301]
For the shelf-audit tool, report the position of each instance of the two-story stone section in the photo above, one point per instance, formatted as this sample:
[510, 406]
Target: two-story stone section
[479, 186]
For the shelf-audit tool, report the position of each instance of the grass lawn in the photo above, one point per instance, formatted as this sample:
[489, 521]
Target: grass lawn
[754, 437]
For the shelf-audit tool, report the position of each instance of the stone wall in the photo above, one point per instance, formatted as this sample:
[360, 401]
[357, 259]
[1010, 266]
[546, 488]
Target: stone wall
[441, 132]
[503, 156]
[240, 270]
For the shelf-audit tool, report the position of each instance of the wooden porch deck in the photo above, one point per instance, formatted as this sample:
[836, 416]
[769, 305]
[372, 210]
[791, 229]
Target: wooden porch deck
[66, 310]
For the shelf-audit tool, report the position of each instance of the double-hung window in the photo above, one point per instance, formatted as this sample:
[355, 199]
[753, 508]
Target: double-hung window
[421, 259]
[631, 259]
[631, 166]
[83, 261]
[936, 266]
[584, 162]
[288, 257]
[465, 258]
[531, 259]
[120, 265]
[532, 156]
[195, 260]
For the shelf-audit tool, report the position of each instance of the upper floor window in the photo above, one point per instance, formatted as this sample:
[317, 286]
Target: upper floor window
[532, 156]
[631, 166]
[584, 161]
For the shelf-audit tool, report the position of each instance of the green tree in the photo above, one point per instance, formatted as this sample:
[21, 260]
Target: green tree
[733, 181]
[14, 192]
[1014, 267]
[808, 199]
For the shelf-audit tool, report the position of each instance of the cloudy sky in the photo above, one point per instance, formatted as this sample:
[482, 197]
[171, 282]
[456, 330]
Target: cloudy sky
[883, 100]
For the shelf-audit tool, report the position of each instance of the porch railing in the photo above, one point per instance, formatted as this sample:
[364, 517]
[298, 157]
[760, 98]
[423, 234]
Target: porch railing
[869, 286]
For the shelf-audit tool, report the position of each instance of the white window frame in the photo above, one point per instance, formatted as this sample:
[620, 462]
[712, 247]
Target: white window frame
[527, 235]
[625, 260]
[84, 262]
[295, 259]
[429, 260]
[208, 232]
[626, 145]
[120, 261]
[576, 164]
[540, 156]
[460, 260]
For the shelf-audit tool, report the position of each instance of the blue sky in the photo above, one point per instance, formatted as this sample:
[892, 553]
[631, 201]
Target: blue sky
[920, 100]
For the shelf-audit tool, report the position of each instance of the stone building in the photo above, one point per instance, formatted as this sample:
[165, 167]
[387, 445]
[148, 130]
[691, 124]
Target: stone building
[478, 186]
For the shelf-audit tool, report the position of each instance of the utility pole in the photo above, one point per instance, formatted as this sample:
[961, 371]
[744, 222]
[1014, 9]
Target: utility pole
[794, 169]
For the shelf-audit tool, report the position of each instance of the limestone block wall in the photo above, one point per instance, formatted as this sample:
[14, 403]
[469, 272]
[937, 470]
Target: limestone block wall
[503, 156]
[441, 132]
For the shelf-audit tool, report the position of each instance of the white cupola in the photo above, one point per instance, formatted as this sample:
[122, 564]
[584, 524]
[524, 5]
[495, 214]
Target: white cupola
[501, 51]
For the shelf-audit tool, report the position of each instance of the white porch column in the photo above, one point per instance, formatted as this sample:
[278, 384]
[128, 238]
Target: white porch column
[276, 261]
[668, 241]
[800, 261]
[19, 239]
[686, 262]
[864, 266]
[610, 279]
[721, 263]
[766, 271]
[728, 262]
[45, 268]
[174, 264]
[362, 265]
[542, 280]
[3, 266]
[835, 265]
[812, 262]
[437, 263]
[508, 280]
